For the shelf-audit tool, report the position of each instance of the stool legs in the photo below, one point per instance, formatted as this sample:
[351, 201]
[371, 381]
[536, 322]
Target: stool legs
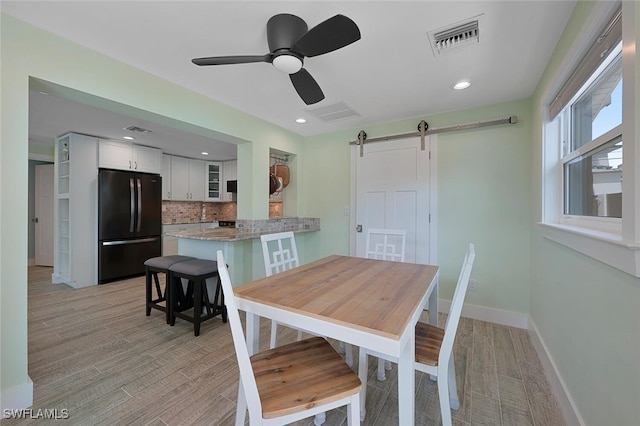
[150, 301]
[197, 297]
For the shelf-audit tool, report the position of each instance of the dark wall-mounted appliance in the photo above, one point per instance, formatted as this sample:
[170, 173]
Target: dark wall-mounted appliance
[232, 186]
[129, 222]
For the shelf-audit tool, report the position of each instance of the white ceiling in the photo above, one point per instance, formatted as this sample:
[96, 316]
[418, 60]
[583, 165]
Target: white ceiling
[390, 74]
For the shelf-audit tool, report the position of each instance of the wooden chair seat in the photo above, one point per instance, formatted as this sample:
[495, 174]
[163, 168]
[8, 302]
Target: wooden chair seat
[428, 342]
[314, 372]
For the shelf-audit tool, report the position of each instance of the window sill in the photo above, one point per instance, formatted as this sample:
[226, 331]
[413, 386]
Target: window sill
[606, 247]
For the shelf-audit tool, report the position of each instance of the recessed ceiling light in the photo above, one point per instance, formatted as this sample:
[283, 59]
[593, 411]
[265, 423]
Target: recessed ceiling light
[301, 120]
[44, 93]
[129, 138]
[204, 153]
[461, 85]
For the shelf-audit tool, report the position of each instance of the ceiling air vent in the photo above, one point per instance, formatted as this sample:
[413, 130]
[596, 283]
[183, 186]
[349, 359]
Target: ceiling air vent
[137, 129]
[335, 112]
[455, 37]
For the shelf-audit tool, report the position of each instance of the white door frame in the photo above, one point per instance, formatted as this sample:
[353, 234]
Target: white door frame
[431, 144]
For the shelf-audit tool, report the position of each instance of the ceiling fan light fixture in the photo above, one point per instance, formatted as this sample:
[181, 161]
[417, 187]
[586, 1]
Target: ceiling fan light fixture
[288, 64]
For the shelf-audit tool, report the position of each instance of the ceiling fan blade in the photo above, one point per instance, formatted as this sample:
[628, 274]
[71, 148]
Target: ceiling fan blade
[226, 60]
[307, 87]
[327, 36]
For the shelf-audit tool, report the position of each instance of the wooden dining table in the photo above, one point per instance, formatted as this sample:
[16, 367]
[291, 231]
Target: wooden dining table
[372, 304]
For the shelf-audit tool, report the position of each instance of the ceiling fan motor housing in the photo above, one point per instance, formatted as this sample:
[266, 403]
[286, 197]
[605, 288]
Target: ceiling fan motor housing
[284, 30]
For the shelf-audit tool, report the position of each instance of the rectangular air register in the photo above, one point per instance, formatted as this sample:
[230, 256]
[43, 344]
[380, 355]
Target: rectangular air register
[334, 112]
[455, 37]
[137, 129]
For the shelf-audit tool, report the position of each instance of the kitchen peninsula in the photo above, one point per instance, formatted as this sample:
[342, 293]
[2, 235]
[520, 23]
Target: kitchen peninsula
[237, 243]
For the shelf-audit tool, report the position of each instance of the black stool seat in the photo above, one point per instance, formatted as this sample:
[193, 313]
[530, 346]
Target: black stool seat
[197, 271]
[152, 267]
[163, 262]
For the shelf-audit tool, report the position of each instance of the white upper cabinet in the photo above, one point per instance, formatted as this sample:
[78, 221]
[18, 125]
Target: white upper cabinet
[166, 177]
[230, 173]
[127, 156]
[187, 179]
[213, 181]
[146, 159]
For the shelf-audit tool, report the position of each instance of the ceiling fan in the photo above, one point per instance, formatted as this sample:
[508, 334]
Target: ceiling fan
[290, 42]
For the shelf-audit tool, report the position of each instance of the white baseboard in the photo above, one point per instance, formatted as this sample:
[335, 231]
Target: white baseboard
[568, 407]
[18, 397]
[483, 313]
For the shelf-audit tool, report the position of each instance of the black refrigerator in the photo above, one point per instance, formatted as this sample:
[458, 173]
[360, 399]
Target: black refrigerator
[129, 222]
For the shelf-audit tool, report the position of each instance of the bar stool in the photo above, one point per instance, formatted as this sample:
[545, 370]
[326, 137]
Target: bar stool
[196, 271]
[152, 267]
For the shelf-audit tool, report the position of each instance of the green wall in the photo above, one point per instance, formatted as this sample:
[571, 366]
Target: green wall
[484, 196]
[29, 53]
[587, 313]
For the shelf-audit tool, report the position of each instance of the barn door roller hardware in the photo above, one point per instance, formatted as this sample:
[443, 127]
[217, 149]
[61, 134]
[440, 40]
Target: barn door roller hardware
[423, 130]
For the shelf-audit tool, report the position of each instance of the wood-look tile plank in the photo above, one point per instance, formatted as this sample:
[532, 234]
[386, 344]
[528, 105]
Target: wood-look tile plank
[427, 402]
[85, 414]
[485, 410]
[93, 350]
[506, 363]
[544, 407]
[483, 369]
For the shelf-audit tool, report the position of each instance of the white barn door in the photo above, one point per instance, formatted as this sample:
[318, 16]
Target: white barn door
[392, 189]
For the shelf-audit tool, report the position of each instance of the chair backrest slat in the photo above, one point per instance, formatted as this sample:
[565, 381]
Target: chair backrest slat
[279, 252]
[457, 302]
[386, 244]
[249, 385]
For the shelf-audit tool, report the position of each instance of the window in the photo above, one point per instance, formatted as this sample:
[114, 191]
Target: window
[590, 155]
[592, 144]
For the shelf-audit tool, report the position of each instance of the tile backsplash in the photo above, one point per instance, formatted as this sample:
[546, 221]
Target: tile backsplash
[197, 211]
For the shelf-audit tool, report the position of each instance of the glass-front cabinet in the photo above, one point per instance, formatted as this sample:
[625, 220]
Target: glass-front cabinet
[213, 171]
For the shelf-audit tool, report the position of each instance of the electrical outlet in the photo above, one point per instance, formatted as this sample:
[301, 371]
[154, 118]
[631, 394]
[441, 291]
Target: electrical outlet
[473, 285]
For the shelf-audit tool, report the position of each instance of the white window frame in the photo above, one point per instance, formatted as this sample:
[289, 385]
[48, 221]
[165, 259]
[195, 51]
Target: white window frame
[614, 241]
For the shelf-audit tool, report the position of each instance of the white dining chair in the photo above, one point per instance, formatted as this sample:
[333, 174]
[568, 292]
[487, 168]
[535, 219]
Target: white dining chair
[292, 382]
[384, 244]
[434, 345]
[280, 254]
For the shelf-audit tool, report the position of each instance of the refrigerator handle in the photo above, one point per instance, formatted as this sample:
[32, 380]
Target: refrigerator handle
[139, 205]
[132, 204]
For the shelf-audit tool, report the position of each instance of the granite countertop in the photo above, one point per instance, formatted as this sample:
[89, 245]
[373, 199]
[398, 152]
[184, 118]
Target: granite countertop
[225, 234]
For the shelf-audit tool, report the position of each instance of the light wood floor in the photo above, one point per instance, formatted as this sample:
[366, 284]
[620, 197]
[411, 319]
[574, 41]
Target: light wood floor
[94, 353]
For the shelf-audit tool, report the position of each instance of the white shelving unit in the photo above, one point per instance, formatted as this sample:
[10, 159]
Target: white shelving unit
[75, 210]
